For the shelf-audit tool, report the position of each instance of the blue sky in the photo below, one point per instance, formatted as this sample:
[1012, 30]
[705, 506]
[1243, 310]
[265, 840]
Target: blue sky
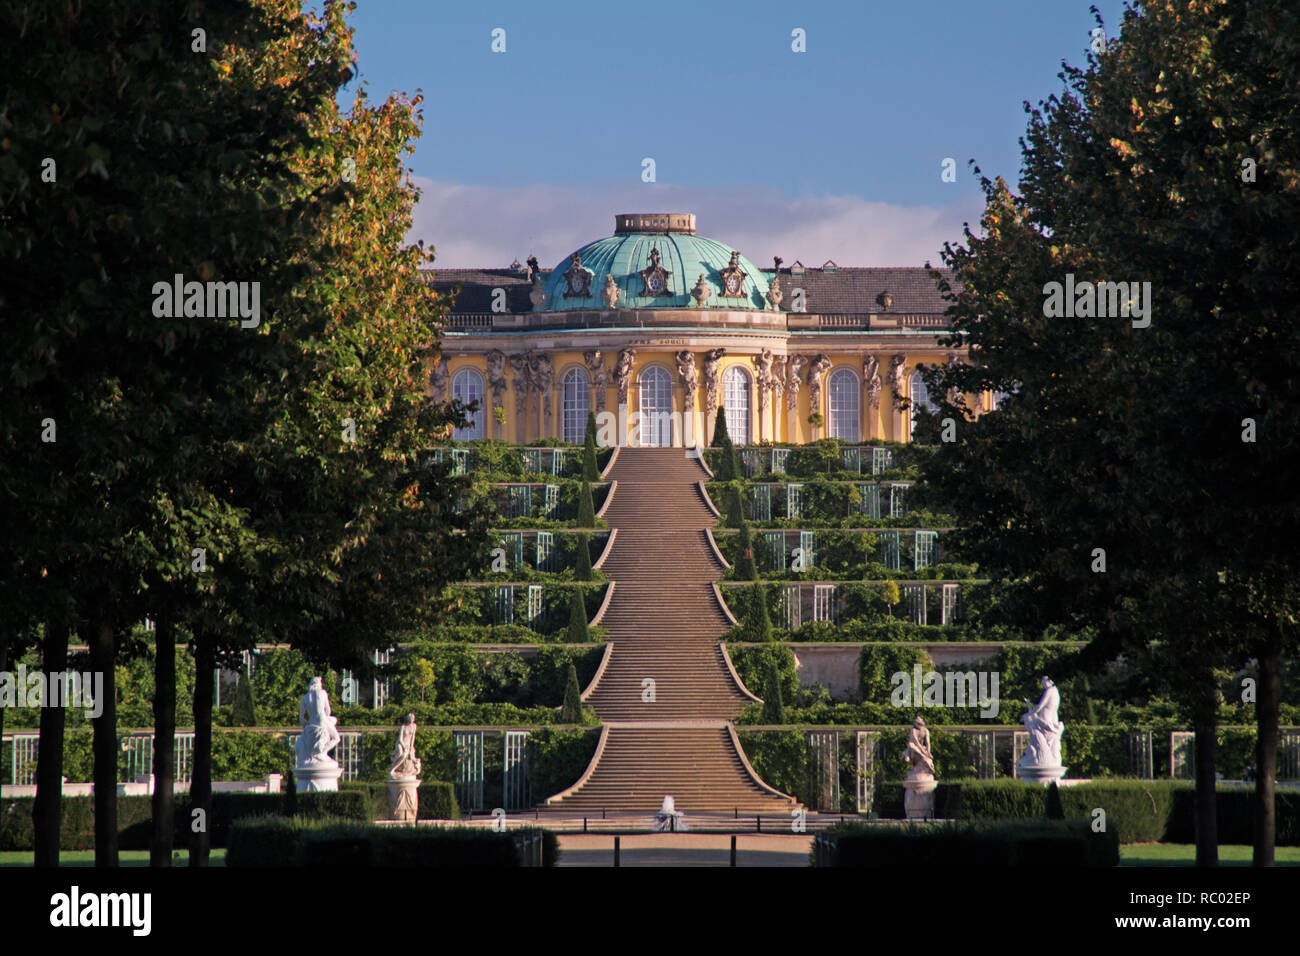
[831, 153]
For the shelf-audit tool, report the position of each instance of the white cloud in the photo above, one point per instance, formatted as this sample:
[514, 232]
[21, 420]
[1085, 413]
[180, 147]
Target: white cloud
[488, 226]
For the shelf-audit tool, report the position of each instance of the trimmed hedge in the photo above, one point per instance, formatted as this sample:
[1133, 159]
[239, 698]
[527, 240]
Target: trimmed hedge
[1041, 843]
[284, 841]
[356, 802]
[1137, 811]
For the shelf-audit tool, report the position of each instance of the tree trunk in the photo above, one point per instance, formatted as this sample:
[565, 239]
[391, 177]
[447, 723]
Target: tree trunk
[1266, 716]
[103, 644]
[164, 739]
[201, 778]
[4, 666]
[1205, 724]
[47, 811]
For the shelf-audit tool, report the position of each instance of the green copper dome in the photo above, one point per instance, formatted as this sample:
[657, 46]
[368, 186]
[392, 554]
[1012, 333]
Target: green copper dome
[630, 257]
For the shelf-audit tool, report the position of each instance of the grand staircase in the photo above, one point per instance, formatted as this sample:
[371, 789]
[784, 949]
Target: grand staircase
[666, 694]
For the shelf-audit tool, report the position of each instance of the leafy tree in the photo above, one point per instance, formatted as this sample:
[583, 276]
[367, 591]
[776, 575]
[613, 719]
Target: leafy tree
[758, 626]
[1171, 160]
[586, 509]
[890, 594]
[571, 711]
[424, 677]
[589, 470]
[577, 633]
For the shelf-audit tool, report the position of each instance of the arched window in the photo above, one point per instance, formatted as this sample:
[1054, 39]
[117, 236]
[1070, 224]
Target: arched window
[656, 422]
[920, 399]
[845, 402]
[735, 403]
[575, 390]
[467, 387]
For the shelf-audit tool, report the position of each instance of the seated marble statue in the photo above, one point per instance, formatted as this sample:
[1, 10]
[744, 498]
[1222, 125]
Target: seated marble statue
[405, 762]
[319, 729]
[1044, 729]
[918, 754]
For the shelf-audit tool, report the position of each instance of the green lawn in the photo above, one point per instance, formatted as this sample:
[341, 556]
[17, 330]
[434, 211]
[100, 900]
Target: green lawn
[1184, 854]
[125, 857]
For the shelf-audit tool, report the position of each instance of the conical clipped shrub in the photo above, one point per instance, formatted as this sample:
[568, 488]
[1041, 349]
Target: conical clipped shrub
[582, 560]
[745, 569]
[571, 712]
[1055, 809]
[243, 713]
[733, 508]
[773, 703]
[758, 626]
[589, 470]
[720, 436]
[577, 633]
[586, 510]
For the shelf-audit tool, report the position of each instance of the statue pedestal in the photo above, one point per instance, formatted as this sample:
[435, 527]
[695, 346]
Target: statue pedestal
[918, 798]
[318, 779]
[403, 798]
[1043, 775]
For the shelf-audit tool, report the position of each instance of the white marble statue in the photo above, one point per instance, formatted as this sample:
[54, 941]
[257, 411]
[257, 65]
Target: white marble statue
[405, 762]
[918, 754]
[919, 784]
[404, 775]
[1045, 729]
[319, 728]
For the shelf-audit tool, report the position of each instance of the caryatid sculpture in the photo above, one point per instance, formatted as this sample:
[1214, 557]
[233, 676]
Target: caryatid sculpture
[815, 372]
[794, 366]
[519, 362]
[710, 370]
[595, 362]
[315, 769]
[896, 377]
[871, 378]
[543, 378]
[1042, 759]
[623, 373]
[778, 375]
[496, 377]
[763, 377]
[690, 378]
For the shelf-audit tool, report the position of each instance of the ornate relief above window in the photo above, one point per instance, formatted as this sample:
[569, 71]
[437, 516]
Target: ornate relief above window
[654, 277]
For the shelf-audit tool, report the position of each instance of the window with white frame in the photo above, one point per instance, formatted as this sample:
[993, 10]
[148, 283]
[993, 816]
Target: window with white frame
[575, 396]
[656, 423]
[735, 403]
[467, 387]
[845, 400]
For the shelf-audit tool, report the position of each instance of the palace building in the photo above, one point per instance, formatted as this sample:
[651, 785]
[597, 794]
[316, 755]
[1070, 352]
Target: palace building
[659, 327]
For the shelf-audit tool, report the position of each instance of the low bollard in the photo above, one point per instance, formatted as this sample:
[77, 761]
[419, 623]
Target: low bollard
[733, 849]
[616, 851]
